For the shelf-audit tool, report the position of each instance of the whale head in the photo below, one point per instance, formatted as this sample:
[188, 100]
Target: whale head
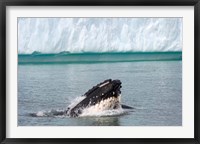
[105, 95]
[108, 88]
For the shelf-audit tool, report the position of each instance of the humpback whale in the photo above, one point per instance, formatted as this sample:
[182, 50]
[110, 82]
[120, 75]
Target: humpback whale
[103, 96]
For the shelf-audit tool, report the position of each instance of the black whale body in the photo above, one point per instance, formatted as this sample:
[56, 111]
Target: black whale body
[108, 90]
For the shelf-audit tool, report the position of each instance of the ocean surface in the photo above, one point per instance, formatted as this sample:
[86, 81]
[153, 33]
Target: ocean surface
[151, 83]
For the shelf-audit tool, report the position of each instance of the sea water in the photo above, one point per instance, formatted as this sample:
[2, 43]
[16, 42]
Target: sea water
[151, 83]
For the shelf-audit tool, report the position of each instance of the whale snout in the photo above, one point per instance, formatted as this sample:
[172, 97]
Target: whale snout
[117, 81]
[117, 85]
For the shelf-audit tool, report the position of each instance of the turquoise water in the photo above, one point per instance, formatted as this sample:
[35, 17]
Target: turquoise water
[151, 83]
[67, 58]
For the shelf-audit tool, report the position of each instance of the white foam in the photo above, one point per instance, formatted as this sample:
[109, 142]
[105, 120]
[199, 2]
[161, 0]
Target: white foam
[113, 112]
[107, 107]
[50, 113]
[40, 114]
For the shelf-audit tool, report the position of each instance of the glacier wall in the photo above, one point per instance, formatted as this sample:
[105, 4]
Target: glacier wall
[76, 35]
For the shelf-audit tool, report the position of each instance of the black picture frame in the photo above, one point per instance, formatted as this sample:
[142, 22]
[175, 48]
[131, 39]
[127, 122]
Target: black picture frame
[5, 3]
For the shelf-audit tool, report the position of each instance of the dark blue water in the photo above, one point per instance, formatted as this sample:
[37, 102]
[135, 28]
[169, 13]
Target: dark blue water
[153, 88]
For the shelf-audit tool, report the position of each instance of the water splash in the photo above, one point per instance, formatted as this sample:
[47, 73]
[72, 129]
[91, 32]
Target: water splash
[49, 113]
[75, 101]
[86, 113]
[78, 35]
[114, 112]
[93, 111]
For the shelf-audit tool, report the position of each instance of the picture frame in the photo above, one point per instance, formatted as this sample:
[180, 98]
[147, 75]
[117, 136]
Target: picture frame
[3, 54]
